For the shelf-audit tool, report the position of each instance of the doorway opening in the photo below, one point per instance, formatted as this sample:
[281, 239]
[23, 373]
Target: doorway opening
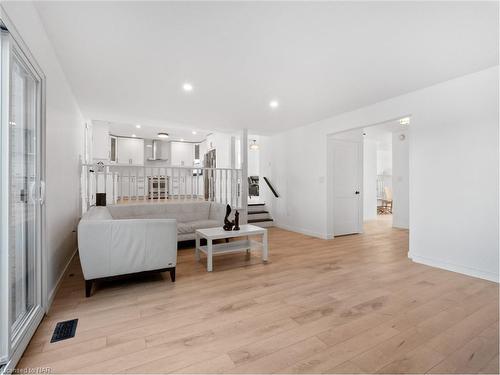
[369, 169]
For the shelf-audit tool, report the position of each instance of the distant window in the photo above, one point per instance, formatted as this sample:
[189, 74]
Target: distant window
[112, 157]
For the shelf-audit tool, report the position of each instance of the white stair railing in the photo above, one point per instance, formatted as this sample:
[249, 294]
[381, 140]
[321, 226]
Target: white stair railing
[130, 184]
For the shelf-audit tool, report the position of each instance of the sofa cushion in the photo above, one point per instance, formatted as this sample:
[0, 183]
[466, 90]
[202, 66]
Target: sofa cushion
[200, 224]
[184, 228]
[188, 212]
[190, 227]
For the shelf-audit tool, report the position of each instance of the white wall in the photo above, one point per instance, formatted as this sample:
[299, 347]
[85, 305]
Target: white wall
[369, 179]
[453, 169]
[64, 142]
[100, 142]
[400, 180]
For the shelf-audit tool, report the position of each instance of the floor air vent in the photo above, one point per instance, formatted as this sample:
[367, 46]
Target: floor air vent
[64, 330]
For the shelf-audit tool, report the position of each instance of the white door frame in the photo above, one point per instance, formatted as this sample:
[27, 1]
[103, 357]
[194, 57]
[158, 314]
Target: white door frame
[37, 315]
[330, 173]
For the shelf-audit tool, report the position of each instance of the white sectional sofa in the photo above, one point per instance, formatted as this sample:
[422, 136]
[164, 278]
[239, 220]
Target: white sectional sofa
[189, 215]
[125, 239]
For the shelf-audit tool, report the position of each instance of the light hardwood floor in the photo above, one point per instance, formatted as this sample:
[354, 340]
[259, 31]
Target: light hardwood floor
[350, 305]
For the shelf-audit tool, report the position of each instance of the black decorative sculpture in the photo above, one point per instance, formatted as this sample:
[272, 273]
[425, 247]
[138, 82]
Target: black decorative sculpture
[228, 225]
[236, 220]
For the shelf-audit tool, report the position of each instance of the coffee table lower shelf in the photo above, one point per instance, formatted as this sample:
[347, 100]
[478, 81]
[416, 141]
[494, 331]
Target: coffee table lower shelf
[232, 247]
[246, 230]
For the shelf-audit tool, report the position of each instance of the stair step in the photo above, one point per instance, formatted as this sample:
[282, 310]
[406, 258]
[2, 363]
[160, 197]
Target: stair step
[257, 212]
[251, 221]
[258, 217]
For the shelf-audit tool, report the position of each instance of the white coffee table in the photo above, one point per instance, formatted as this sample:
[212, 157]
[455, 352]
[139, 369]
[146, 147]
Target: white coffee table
[211, 234]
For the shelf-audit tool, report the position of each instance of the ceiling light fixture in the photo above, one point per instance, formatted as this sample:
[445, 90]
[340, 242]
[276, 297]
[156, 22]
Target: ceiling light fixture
[187, 87]
[254, 146]
[404, 121]
[133, 136]
[138, 126]
[194, 132]
[162, 135]
[273, 104]
[182, 139]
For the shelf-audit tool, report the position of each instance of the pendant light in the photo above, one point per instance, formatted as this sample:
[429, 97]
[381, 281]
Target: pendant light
[254, 146]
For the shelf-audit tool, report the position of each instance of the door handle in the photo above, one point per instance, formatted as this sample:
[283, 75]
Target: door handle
[356, 192]
[42, 192]
[32, 192]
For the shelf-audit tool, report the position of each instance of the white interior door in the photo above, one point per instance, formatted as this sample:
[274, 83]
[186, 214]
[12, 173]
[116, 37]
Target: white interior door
[347, 186]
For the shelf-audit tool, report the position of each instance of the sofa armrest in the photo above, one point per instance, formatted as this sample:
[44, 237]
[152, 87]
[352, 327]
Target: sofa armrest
[116, 247]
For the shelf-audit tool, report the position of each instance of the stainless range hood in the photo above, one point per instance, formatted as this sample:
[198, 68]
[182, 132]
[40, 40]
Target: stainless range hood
[157, 150]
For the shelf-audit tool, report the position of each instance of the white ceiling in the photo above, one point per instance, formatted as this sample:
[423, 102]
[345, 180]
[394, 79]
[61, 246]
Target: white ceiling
[127, 61]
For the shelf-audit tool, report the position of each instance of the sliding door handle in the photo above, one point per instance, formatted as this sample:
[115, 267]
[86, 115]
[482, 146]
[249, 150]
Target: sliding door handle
[42, 192]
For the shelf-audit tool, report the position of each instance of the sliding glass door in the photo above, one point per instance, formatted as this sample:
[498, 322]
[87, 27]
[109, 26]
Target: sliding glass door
[22, 193]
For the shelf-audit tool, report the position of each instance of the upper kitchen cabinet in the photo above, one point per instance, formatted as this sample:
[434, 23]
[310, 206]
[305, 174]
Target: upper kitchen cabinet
[130, 151]
[182, 154]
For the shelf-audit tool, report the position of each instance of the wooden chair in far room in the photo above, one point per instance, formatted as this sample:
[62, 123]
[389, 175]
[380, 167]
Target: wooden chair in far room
[386, 207]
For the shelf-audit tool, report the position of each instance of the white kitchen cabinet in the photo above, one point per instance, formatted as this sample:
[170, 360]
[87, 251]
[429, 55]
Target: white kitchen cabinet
[131, 186]
[182, 154]
[130, 151]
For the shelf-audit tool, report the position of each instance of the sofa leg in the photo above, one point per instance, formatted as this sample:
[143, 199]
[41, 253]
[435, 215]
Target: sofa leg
[172, 274]
[88, 288]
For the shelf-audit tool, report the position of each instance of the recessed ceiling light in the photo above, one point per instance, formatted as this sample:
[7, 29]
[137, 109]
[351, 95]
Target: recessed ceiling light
[194, 132]
[138, 126]
[273, 104]
[133, 135]
[404, 121]
[163, 135]
[187, 87]
[182, 139]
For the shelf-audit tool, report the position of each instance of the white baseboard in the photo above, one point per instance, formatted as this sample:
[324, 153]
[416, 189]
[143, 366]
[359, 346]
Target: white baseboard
[400, 224]
[454, 268]
[53, 292]
[302, 231]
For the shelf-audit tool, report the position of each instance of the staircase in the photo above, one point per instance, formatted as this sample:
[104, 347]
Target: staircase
[259, 215]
